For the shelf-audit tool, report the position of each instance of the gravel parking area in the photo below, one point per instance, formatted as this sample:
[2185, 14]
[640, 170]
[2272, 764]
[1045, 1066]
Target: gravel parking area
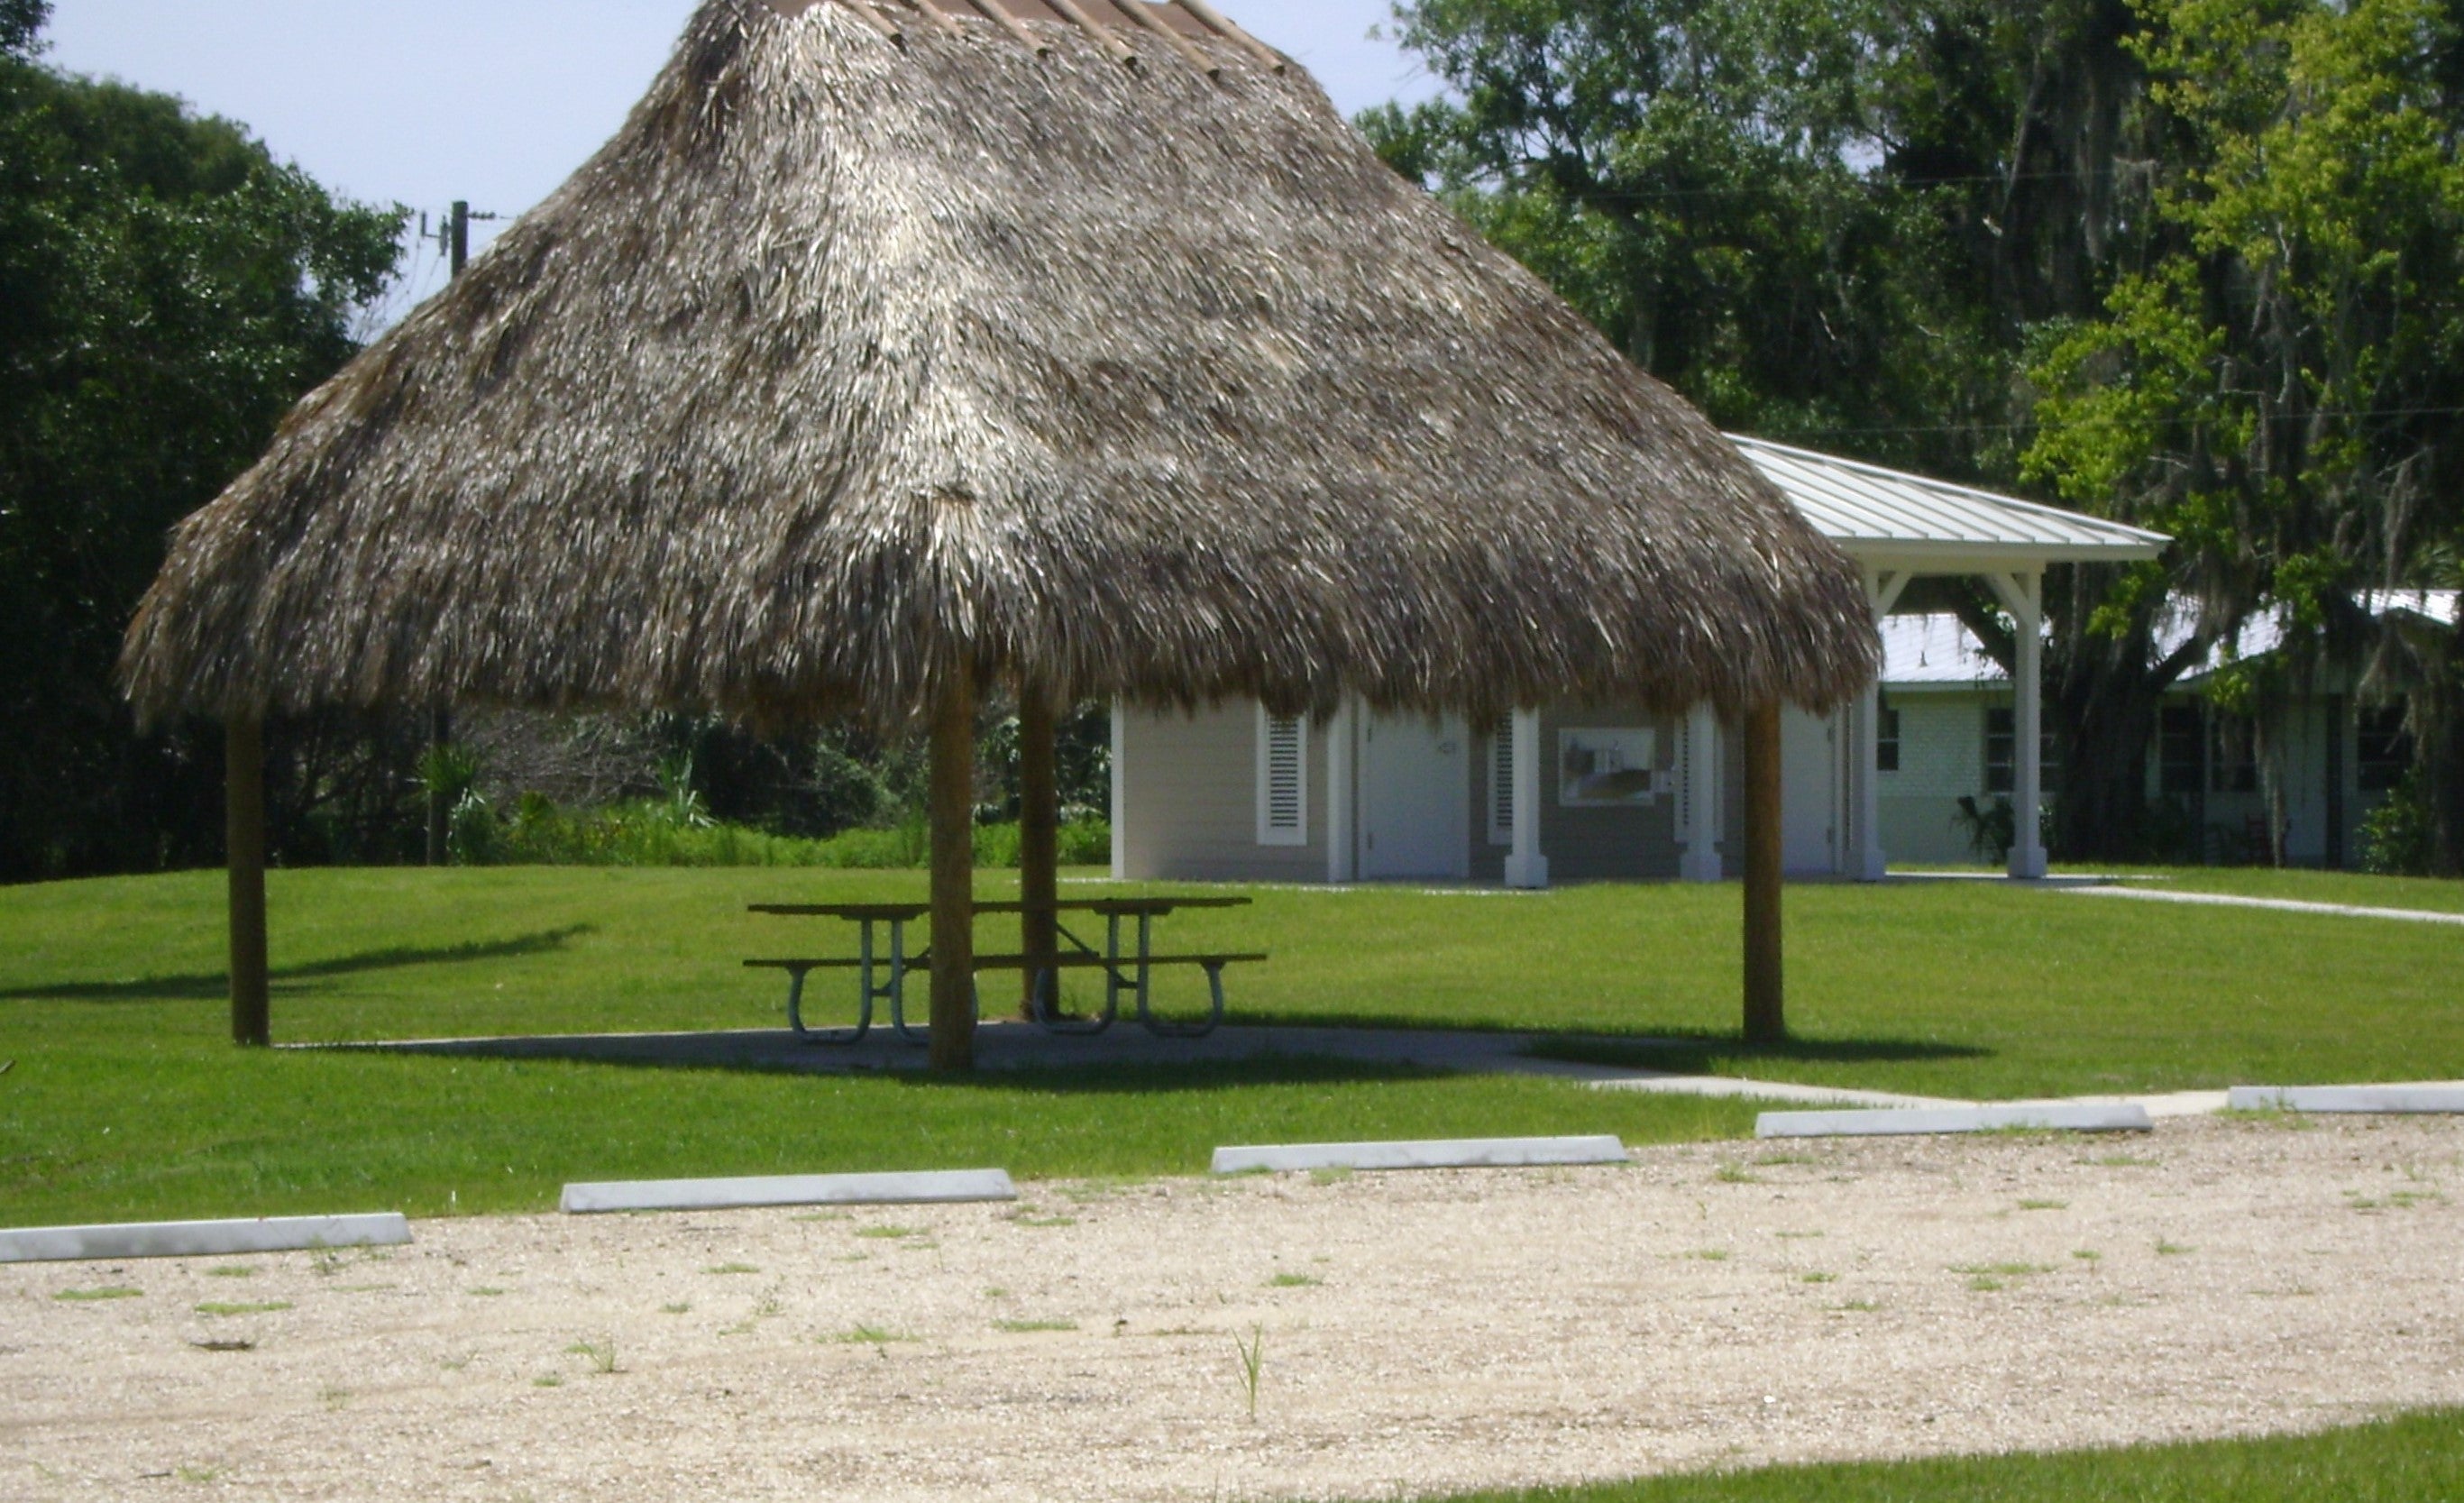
[1714, 1304]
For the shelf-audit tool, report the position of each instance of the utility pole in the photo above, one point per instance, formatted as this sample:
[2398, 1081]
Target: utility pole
[454, 235]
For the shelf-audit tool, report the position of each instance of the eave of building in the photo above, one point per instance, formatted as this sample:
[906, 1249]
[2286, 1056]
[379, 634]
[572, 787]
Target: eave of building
[1890, 520]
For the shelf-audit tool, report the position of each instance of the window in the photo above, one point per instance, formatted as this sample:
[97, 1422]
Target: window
[1500, 784]
[2234, 766]
[1283, 779]
[2179, 766]
[2001, 739]
[1886, 736]
[2382, 751]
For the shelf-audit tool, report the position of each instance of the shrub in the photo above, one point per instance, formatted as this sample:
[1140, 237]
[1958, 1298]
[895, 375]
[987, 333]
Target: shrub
[2397, 837]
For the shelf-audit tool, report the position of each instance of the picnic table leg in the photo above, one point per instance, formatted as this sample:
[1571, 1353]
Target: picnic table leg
[898, 986]
[796, 974]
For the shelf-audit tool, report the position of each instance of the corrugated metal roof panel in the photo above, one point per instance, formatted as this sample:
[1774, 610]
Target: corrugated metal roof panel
[1868, 508]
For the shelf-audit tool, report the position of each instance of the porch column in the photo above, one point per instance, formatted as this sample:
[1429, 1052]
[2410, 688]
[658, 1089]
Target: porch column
[1340, 836]
[953, 785]
[1119, 799]
[1766, 1017]
[2023, 595]
[244, 857]
[1038, 838]
[1865, 858]
[1701, 774]
[1527, 867]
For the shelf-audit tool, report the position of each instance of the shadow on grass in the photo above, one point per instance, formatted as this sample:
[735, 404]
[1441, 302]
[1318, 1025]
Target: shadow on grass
[686, 1052]
[294, 980]
[1713, 1053]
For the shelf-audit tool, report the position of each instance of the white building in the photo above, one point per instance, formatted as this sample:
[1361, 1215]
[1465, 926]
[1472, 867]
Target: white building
[1947, 736]
[1569, 793]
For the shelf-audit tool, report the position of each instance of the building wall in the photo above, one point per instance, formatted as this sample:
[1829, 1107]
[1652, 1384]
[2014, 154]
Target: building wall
[1586, 843]
[1942, 757]
[1189, 800]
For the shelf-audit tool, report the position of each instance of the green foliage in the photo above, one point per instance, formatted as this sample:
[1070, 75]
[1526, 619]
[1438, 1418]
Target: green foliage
[2396, 836]
[166, 291]
[21, 21]
[674, 832]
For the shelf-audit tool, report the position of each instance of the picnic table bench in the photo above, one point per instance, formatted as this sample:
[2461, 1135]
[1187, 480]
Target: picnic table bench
[882, 969]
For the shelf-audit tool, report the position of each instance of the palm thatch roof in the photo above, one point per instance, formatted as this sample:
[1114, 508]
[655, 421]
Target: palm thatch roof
[884, 340]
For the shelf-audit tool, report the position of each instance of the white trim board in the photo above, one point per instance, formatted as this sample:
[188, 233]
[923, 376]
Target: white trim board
[201, 1239]
[1455, 1153]
[1910, 1121]
[937, 1187]
[2389, 1099]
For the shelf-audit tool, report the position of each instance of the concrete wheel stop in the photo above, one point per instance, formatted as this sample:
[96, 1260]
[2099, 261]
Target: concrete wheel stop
[201, 1239]
[1914, 1120]
[936, 1187]
[1459, 1153]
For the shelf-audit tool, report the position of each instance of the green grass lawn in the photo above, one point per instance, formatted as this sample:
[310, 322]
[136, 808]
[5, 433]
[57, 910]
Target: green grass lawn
[125, 1101]
[2408, 1459]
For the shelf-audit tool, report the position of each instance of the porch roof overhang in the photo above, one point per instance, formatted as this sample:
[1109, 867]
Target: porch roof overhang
[1888, 520]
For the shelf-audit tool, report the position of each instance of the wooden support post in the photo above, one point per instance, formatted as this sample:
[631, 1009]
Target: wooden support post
[244, 837]
[953, 874]
[1039, 835]
[440, 735]
[1766, 1017]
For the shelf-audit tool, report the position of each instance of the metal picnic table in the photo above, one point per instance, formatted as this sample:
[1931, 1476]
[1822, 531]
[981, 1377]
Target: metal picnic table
[882, 968]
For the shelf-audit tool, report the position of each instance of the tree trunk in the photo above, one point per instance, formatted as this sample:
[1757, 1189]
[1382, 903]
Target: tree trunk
[953, 874]
[244, 845]
[1038, 842]
[1766, 1014]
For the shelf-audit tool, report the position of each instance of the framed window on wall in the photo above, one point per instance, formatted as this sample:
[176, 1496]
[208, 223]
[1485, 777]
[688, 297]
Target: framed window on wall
[2001, 743]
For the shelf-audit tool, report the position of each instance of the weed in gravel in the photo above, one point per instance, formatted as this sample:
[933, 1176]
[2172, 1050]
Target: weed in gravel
[1795, 1236]
[485, 1292]
[90, 1296]
[548, 1381]
[887, 1232]
[731, 1269]
[1024, 1219]
[2044, 1205]
[2087, 1254]
[2123, 1161]
[1332, 1176]
[1731, 1172]
[1027, 1326]
[869, 1336]
[1294, 1281]
[2172, 1249]
[231, 1271]
[2002, 1270]
[1773, 1161]
[1710, 1254]
[601, 1353]
[1861, 1307]
[1817, 1278]
[680, 1307]
[333, 1397]
[1253, 1360]
[227, 1307]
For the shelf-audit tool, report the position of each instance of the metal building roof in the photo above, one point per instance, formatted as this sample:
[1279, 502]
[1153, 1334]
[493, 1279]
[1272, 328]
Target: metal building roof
[1889, 518]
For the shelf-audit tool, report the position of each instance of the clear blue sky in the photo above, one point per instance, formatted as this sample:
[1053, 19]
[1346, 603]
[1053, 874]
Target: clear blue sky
[496, 101]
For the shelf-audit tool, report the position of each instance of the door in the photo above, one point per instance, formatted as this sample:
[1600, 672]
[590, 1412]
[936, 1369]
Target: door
[1809, 763]
[1415, 798]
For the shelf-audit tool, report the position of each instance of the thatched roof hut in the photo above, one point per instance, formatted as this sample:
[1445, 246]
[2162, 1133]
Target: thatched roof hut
[852, 357]
[887, 350]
